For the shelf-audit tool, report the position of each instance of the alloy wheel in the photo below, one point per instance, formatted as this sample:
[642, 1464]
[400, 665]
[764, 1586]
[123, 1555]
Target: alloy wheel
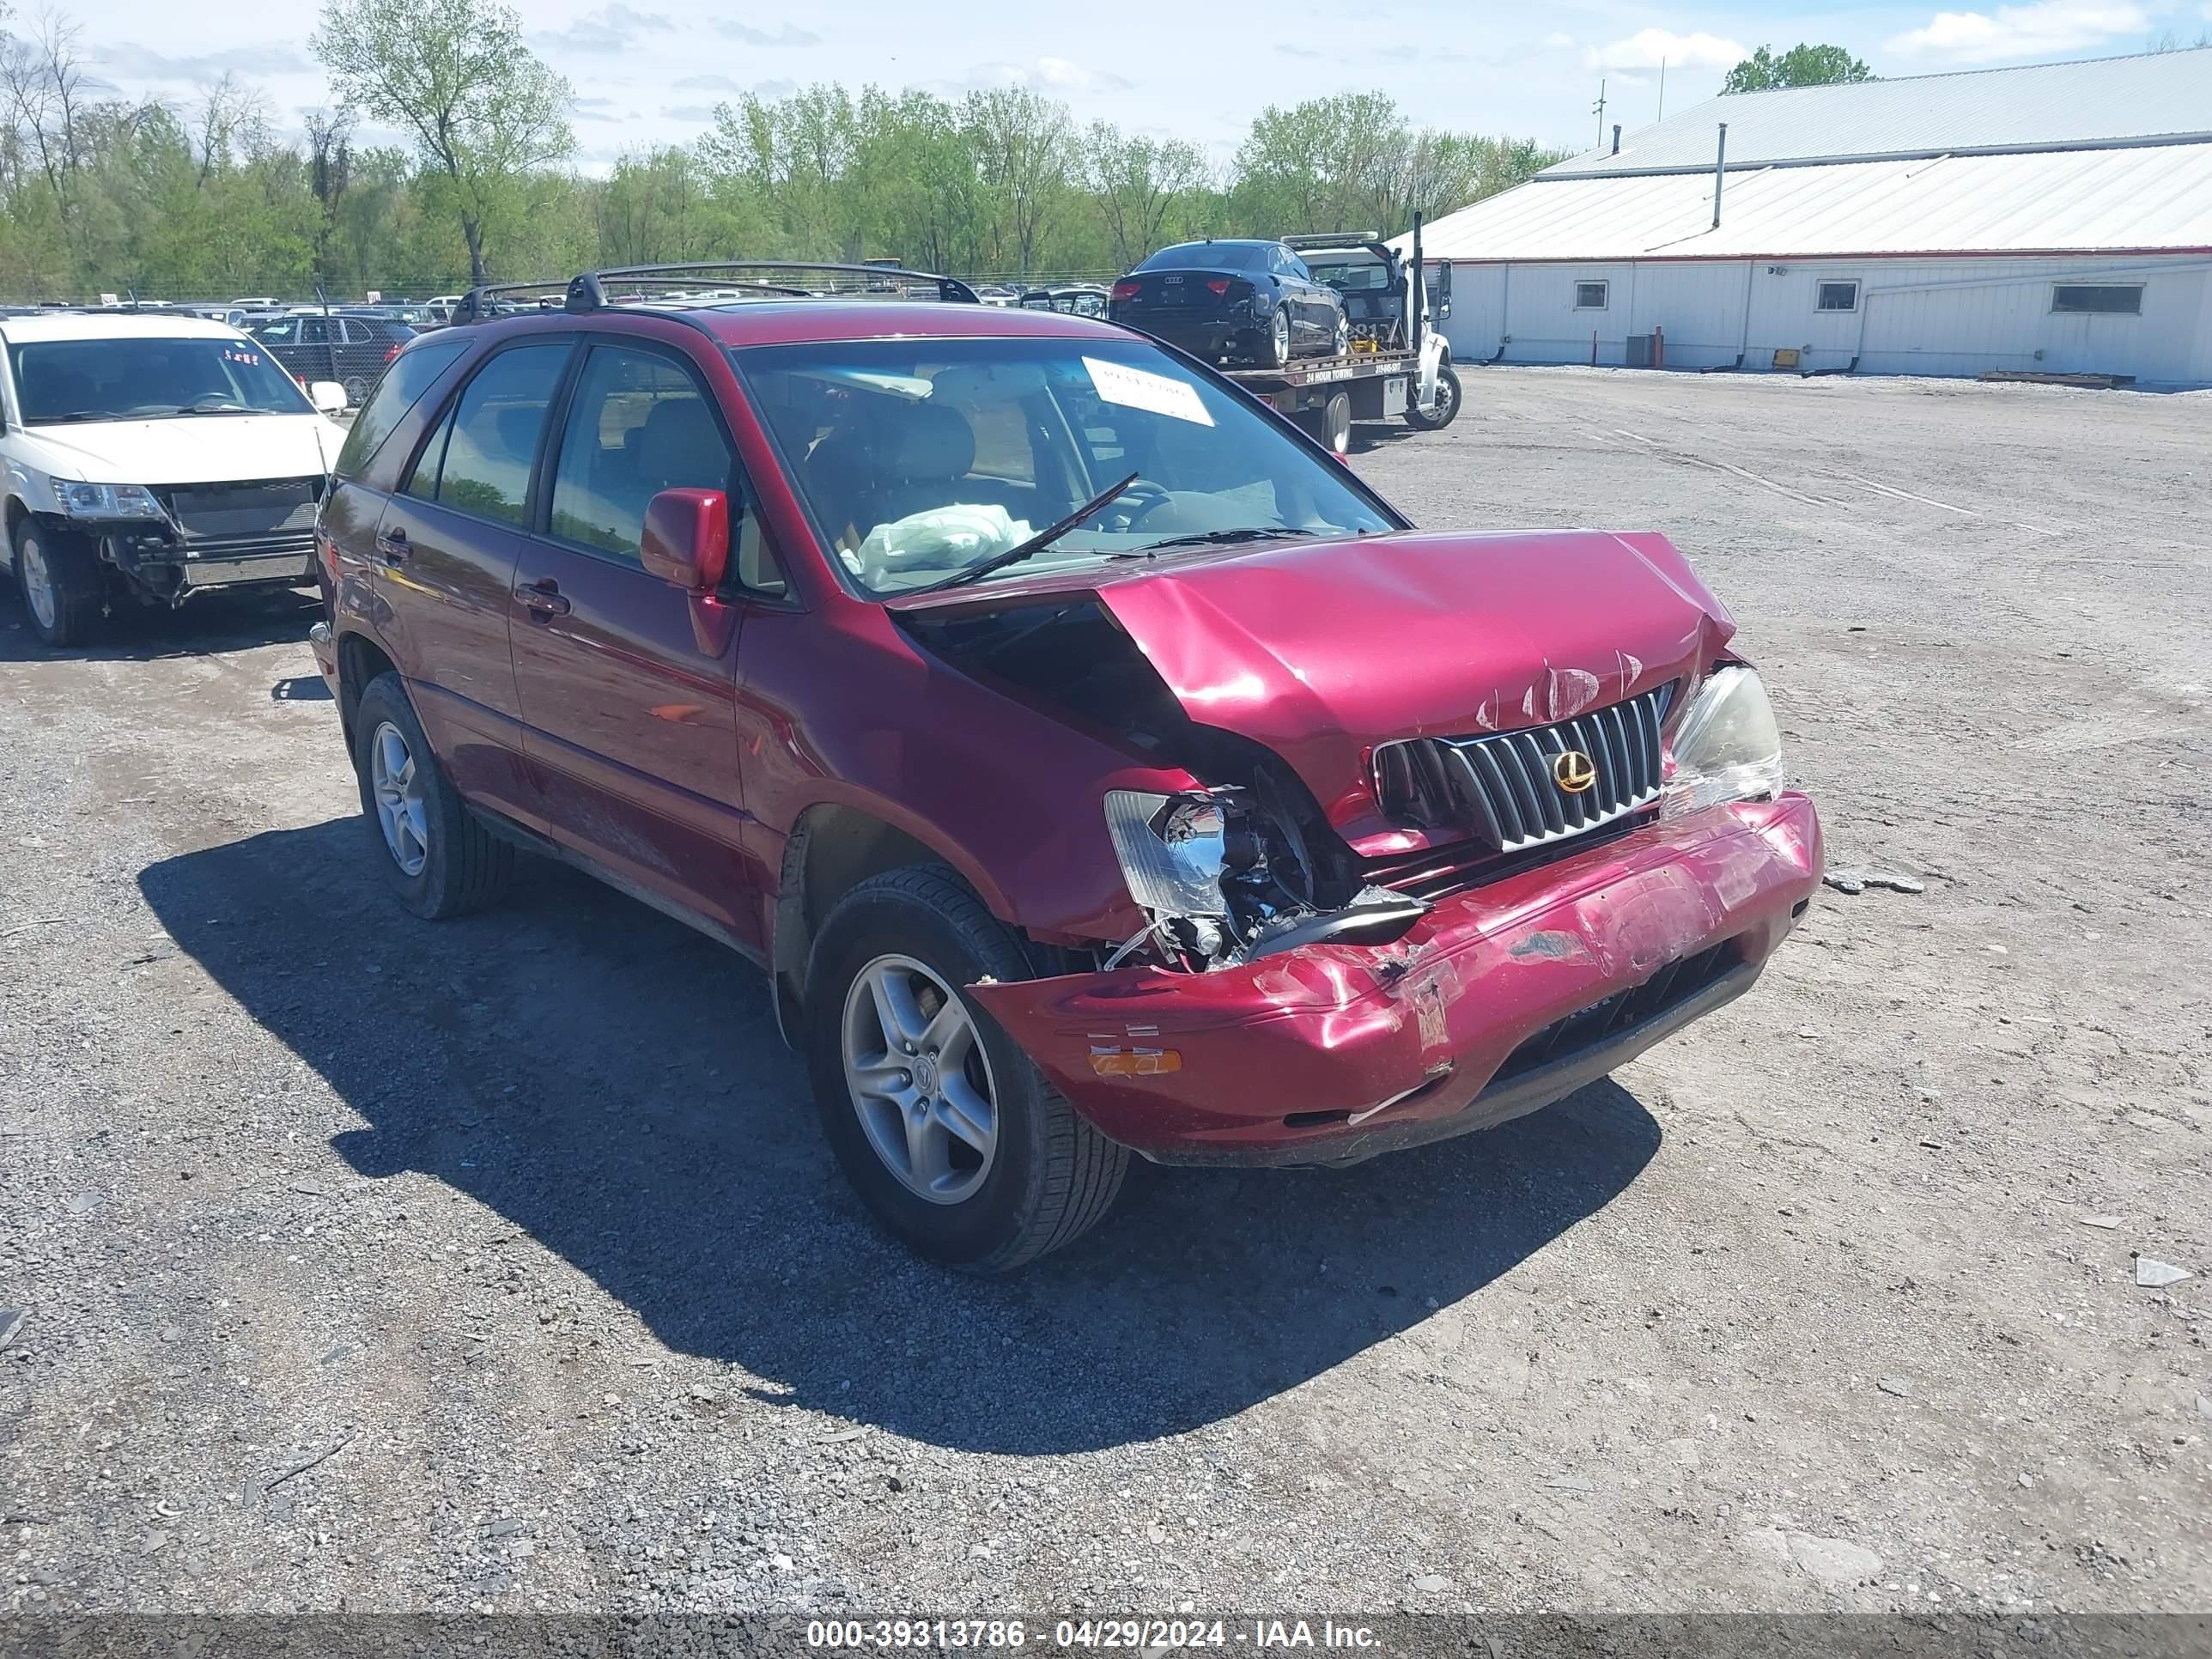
[1280, 337]
[396, 783]
[920, 1079]
[38, 583]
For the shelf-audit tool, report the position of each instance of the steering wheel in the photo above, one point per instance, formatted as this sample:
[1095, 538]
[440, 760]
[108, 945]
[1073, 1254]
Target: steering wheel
[1147, 495]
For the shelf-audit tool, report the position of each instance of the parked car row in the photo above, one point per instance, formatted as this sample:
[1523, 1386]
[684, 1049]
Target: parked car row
[1094, 766]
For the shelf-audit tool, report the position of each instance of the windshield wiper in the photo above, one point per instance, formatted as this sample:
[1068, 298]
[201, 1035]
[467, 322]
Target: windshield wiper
[217, 408]
[1036, 543]
[1226, 537]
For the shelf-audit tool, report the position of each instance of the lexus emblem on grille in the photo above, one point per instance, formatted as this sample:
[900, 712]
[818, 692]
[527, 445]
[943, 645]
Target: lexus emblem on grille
[1573, 771]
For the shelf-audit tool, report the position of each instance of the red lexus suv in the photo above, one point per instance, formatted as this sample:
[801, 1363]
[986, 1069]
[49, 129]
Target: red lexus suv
[1091, 761]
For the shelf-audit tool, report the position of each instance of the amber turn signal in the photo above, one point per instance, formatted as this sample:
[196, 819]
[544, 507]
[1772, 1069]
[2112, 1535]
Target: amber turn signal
[1134, 1062]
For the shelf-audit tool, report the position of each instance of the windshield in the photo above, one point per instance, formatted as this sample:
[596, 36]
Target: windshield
[1210, 256]
[136, 379]
[1349, 274]
[921, 458]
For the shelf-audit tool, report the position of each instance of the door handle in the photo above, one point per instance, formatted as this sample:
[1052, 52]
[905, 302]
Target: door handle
[544, 600]
[392, 546]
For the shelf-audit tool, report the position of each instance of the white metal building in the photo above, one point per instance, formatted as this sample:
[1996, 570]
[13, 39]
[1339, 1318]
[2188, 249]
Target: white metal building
[2053, 218]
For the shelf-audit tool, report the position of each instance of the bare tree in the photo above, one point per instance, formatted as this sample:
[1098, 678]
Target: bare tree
[1024, 153]
[483, 110]
[229, 116]
[1138, 181]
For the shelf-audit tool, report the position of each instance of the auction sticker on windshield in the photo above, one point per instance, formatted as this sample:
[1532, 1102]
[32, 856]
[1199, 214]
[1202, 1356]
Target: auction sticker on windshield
[1135, 388]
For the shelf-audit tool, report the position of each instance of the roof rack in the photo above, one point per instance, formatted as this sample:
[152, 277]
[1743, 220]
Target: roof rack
[1347, 240]
[599, 290]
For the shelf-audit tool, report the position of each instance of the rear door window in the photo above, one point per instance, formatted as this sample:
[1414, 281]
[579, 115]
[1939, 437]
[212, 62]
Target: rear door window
[480, 458]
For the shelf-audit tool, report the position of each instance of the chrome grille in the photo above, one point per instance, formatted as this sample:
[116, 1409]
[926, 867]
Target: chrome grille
[1501, 787]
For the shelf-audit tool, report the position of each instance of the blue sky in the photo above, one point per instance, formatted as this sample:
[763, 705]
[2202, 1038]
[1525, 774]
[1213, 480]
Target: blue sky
[652, 72]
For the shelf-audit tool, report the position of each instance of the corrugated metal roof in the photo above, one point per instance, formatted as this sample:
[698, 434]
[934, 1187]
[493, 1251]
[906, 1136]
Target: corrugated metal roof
[2103, 200]
[2111, 99]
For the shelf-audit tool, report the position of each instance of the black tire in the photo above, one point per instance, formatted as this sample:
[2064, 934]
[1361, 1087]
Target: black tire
[356, 390]
[1342, 345]
[69, 589]
[1336, 423]
[1447, 409]
[1277, 350]
[463, 866]
[1051, 1178]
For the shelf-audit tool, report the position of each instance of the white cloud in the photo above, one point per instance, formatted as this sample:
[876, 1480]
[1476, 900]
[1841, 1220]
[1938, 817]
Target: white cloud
[1559, 42]
[783, 34]
[1048, 75]
[610, 28]
[1649, 48]
[250, 62]
[2031, 31]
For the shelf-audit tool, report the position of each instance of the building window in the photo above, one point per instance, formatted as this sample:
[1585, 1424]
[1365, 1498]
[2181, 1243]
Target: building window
[2108, 299]
[1590, 296]
[1837, 296]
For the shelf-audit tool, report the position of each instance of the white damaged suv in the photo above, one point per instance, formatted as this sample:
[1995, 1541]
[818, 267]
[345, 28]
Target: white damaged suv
[152, 457]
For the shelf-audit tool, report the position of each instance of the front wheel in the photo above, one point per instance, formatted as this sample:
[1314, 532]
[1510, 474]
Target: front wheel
[1447, 404]
[954, 1142]
[58, 576]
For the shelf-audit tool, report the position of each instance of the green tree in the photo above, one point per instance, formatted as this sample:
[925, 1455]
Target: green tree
[485, 113]
[1799, 66]
[1140, 184]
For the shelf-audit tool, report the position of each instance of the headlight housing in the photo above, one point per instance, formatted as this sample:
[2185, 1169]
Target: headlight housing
[100, 501]
[1728, 747]
[1173, 850]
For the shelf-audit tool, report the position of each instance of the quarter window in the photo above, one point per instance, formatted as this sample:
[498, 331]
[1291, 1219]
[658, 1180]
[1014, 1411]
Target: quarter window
[2106, 298]
[479, 459]
[1590, 296]
[410, 375]
[1837, 296]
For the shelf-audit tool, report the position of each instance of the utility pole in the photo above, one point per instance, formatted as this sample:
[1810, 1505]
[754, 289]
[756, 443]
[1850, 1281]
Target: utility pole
[1598, 109]
[1662, 89]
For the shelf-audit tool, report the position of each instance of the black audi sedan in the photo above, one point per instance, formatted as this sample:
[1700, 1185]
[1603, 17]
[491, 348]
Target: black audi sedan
[1251, 302]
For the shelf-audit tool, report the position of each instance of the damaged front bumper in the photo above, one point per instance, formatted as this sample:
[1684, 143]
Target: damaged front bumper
[1499, 1001]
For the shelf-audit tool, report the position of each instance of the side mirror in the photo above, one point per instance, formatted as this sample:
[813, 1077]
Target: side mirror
[686, 540]
[328, 396]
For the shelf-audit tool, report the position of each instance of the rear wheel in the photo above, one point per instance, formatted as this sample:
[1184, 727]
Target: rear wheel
[58, 576]
[1278, 338]
[438, 858]
[953, 1138]
[1447, 404]
[1336, 422]
[356, 390]
[1341, 346]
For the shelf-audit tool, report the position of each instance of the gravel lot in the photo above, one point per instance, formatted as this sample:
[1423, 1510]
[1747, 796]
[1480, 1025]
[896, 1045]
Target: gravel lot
[523, 1227]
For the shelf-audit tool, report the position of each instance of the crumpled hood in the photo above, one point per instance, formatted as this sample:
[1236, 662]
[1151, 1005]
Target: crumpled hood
[188, 449]
[1321, 650]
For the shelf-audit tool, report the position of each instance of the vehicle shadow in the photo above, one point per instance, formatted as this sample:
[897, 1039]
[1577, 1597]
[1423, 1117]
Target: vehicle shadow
[613, 1085]
[209, 624]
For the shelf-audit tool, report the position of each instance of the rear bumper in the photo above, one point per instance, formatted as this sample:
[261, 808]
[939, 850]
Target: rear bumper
[1210, 341]
[1500, 1001]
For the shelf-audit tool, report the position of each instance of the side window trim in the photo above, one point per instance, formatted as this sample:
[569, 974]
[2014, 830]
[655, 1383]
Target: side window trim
[738, 484]
[442, 424]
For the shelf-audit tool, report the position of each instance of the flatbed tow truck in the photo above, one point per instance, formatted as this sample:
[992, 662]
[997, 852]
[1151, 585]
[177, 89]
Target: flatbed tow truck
[1399, 364]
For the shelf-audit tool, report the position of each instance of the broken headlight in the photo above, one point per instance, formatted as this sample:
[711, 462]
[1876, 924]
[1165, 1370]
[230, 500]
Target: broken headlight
[1728, 747]
[1224, 879]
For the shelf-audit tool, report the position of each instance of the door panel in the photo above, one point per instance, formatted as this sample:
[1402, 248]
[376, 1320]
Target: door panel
[443, 580]
[627, 683]
[444, 562]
